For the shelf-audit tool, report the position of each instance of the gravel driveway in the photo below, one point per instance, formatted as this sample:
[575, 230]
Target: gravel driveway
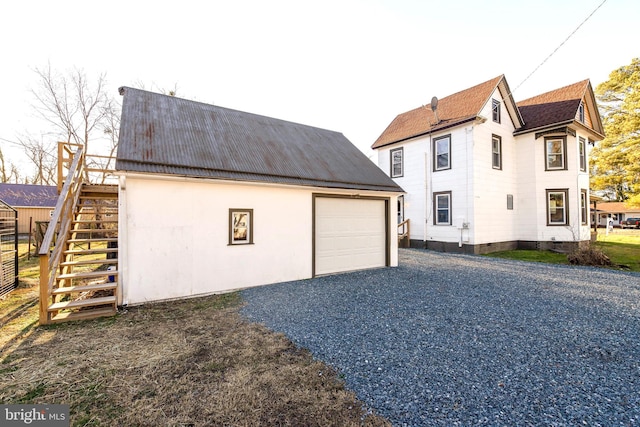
[464, 340]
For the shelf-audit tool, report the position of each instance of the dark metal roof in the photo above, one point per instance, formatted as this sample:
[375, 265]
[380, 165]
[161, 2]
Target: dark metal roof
[26, 195]
[167, 135]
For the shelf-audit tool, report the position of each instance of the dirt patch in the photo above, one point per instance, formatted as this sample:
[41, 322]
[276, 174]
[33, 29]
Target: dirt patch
[195, 362]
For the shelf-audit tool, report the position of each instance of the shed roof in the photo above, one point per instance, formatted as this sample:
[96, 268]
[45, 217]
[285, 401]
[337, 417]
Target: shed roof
[29, 196]
[162, 134]
[452, 110]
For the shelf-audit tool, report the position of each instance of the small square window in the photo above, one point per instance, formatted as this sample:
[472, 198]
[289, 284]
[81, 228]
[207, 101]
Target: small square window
[496, 152]
[495, 110]
[240, 226]
[397, 163]
[442, 208]
[442, 153]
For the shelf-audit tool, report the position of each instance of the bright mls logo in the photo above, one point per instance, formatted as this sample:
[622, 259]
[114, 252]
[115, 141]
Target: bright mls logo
[34, 415]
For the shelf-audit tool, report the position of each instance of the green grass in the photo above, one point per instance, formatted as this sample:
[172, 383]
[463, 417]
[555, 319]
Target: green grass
[621, 246]
[532, 256]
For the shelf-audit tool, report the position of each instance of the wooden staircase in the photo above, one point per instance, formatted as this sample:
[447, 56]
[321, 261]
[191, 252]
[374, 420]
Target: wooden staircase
[85, 283]
[79, 255]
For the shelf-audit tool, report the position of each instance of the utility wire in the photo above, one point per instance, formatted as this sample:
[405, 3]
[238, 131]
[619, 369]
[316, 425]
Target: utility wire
[561, 44]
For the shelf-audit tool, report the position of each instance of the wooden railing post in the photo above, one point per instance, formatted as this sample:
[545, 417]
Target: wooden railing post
[44, 289]
[60, 162]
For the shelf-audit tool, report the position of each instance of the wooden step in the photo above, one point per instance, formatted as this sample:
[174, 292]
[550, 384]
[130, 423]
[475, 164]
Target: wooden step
[93, 230]
[90, 251]
[92, 221]
[99, 188]
[104, 239]
[84, 314]
[87, 274]
[82, 303]
[97, 287]
[98, 196]
[89, 262]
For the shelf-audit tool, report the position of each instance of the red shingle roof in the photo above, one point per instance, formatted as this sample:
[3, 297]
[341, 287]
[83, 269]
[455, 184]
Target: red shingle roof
[452, 110]
[556, 106]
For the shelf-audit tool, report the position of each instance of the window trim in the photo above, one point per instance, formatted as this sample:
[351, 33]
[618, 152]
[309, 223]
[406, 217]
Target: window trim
[582, 153]
[564, 152]
[496, 113]
[391, 153]
[435, 154]
[498, 138]
[435, 207]
[584, 207]
[249, 239]
[565, 195]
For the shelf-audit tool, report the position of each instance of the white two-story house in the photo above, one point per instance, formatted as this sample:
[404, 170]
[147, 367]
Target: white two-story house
[482, 173]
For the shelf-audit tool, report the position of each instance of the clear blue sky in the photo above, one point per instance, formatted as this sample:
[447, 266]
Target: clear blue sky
[345, 65]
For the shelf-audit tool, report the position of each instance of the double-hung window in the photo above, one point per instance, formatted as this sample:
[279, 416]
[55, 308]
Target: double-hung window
[442, 208]
[555, 149]
[397, 167]
[496, 152]
[582, 147]
[584, 210]
[557, 209]
[495, 110]
[442, 153]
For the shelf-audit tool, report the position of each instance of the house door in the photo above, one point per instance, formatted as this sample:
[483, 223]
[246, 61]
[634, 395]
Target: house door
[400, 209]
[349, 234]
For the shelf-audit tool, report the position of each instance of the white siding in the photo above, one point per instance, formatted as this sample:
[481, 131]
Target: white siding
[492, 221]
[412, 181]
[458, 180]
[533, 186]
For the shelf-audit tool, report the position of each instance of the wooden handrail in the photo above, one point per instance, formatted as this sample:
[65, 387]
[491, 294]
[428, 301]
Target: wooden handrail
[405, 230]
[62, 216]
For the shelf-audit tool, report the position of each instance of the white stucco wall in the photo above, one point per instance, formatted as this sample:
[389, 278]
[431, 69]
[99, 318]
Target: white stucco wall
[174, 236]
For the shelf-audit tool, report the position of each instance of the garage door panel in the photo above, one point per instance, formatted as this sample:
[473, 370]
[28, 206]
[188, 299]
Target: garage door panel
[350, 234]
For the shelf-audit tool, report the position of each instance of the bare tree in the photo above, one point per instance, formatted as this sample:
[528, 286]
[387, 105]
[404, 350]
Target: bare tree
[78, 111]
[8, 173]
[42, 156]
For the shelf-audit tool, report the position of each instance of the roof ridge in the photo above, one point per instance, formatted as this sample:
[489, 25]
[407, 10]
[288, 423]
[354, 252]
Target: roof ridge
[583, 83]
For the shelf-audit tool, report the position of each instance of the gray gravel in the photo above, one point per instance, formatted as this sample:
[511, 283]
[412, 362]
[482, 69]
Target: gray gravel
[463, 340]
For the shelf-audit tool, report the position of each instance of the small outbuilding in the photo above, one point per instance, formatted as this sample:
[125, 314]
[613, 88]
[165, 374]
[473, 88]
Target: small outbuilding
[32, 202]
[213, 199]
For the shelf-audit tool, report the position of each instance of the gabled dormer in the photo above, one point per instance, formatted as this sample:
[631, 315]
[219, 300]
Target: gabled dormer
[565, 109]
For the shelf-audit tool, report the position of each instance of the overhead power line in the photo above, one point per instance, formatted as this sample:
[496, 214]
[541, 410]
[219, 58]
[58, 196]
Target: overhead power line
[561, 44]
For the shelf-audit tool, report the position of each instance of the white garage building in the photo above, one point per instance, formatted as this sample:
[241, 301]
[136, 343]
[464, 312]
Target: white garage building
[213, 199]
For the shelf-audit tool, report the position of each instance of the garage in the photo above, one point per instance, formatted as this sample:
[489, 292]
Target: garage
[349, 234]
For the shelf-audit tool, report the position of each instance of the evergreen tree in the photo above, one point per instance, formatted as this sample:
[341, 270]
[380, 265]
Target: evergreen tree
[615, 161]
